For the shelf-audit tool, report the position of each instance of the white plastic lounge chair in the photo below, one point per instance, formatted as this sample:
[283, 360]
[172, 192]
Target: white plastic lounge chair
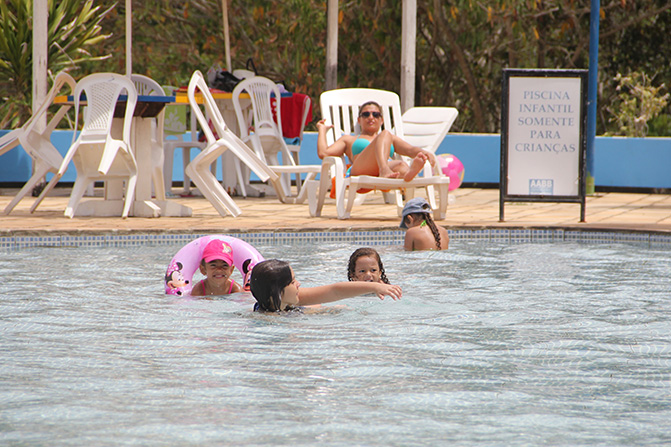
[96, 154]
[341, 109]
[225, 139]
[37, 142]
[426, 127]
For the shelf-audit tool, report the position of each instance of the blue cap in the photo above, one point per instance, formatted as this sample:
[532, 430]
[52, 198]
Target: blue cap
[416, 205]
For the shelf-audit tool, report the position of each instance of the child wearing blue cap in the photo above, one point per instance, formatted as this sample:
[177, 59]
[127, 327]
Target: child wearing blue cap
[422, 233]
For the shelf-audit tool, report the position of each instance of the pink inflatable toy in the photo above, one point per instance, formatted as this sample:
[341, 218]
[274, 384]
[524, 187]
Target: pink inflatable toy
[452, 168]
[179, 276]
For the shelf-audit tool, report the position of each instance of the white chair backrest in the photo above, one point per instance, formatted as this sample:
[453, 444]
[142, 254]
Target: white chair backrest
[12, 139]
[306, 108]
[260, 90]
[426, 127]
[241, 73]
[340, 107]
[61, 80]
[102, 91]
[146, 85]
[198, 85]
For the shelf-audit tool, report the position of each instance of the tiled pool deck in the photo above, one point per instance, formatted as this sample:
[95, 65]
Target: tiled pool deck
[474, 213]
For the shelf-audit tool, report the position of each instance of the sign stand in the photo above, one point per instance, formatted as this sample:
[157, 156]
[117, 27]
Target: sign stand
[543, 141]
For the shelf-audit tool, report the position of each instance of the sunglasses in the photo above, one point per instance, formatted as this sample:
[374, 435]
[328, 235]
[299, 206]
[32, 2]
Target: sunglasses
[367, 114]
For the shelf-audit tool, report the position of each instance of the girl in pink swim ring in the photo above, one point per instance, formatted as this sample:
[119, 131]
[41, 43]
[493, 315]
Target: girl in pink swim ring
[215, 256]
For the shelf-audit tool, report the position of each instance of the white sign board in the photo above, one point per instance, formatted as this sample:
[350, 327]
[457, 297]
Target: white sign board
[543, 120]
[544, 136]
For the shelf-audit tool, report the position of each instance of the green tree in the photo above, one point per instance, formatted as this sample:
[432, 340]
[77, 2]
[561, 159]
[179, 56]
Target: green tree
[639, 103]
[462, 46]
[73, 28]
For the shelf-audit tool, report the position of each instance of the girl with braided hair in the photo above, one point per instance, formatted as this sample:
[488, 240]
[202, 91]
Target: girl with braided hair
[422, 232]
[365, 265]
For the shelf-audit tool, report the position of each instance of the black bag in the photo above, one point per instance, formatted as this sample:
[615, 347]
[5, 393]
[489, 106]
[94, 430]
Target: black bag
[225, 81]
[251, 67]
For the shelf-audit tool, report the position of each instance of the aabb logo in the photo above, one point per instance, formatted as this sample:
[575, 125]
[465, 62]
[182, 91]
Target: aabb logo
[543, 186]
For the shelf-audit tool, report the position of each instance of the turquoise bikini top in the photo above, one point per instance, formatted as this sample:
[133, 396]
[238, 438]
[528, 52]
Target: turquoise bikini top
[361, 143]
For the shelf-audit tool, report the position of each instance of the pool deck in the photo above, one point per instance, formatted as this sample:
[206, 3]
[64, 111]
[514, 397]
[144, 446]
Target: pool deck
[469, 208]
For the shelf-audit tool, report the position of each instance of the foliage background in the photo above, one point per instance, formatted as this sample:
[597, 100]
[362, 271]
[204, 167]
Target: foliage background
[462, 47]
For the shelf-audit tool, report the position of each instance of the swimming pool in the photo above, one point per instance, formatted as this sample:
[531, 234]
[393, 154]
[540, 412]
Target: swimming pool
[493, 343]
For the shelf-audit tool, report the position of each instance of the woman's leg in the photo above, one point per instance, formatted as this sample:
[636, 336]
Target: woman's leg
[416, 165]
[374, 160]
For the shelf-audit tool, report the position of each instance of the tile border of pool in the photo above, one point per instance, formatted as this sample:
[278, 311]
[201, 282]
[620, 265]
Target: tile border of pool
[368, 237]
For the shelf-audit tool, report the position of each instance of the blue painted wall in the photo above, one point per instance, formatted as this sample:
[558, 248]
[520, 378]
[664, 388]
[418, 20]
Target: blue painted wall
[619, 162]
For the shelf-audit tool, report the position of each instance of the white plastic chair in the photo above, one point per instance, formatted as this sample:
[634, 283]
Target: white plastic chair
[147, 86]
[266, 138]
[37, 142]
[341, 108]
[175, 127]
[225, 139]
[96, 154]
[242, 73]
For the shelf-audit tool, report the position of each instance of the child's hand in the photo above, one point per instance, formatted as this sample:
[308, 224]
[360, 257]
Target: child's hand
[389, 289]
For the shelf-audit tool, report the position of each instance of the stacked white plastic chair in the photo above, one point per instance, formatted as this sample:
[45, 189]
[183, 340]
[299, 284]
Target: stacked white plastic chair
[266, 137]
[219, 139]
[97, 155]
[340, 108]
[37, 142]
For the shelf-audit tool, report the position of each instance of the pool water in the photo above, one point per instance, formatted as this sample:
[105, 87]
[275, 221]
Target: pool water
[559, 344]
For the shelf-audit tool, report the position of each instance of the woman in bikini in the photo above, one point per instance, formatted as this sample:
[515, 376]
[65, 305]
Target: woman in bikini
[370, 152]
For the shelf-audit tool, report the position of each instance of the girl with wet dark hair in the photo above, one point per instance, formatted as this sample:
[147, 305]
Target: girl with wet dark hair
[365, 264]
[276, 289]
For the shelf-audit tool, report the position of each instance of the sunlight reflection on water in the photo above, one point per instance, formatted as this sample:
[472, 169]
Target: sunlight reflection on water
[562, 344]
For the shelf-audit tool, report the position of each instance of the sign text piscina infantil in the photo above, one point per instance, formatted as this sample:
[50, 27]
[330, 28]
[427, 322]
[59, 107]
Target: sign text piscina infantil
[543, 116]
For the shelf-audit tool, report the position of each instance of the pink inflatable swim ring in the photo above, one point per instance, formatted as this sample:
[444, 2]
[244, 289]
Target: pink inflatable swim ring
[179, 276]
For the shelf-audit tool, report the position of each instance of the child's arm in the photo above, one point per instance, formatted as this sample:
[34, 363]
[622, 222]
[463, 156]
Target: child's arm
[333, 292]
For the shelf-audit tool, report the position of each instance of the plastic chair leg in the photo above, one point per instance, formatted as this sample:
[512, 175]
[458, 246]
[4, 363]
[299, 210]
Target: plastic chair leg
[40, 171]
[76, 195]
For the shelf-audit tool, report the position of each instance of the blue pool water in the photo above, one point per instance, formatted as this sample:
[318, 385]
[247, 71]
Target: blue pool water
[561, 344]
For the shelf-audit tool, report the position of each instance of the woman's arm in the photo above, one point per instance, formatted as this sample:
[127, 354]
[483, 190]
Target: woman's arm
[333, 292]
[337, 149]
